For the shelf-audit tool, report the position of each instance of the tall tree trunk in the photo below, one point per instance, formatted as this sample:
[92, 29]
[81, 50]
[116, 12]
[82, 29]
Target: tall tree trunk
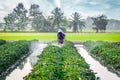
[4, 29]
[58, 25]
[96, 30]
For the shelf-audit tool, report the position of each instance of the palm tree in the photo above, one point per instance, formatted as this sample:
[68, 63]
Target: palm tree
[77, 22]
[58, 17]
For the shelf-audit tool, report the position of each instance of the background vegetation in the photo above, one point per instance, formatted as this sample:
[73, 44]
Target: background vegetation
[21, 19]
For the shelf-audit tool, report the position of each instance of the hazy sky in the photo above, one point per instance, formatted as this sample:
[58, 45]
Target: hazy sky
[86, 8]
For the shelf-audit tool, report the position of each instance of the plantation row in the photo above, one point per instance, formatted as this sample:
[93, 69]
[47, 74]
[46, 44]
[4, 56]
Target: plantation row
[107, 53]
[2, 42]
[63, 63]
[10, 52]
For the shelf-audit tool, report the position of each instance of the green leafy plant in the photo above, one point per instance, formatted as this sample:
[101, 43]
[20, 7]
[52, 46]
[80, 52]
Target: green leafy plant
[107, 53]
[61, 64]
[2, 42]
[11, 52]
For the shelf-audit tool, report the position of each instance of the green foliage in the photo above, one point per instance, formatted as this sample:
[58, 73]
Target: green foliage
[10, 21]
[21, 16]
[11, 52]
[75, 67]
[100, 22]
[77, 22]
[47, 66]
[109, 53]
[2, 42]
[61, 64]
[36, 17]
[17, 20]
[58, 17]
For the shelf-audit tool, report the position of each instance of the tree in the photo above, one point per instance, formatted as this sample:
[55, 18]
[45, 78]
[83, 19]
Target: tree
[37, 17]
[77, 22]
[10, 21]
[100, 22]
[58, 17]
[65, 22]
[2, 26]
[6, 23]
[50, 21]
[21, 18]
[48, 24]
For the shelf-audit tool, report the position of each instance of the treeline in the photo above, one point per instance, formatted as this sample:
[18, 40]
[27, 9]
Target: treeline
[20, 18]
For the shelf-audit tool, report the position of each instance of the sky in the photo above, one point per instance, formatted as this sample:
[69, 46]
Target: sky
[91, 8]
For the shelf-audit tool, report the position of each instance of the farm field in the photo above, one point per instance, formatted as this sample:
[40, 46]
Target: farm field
[47, 40]
[61, 64]
[11, 52]
[57, 61]
[93, 31]
[75, 37]
[106, 53]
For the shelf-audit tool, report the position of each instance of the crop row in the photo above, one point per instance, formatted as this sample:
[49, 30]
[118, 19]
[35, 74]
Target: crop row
[10, 52]
[107, 53]
[2, 42]
[61, 64]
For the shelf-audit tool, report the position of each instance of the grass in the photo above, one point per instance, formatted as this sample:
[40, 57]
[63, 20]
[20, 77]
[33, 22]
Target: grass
[93, 31]
[76, 37]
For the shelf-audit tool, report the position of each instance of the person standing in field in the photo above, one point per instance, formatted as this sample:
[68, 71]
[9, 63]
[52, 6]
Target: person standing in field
[60, 36]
